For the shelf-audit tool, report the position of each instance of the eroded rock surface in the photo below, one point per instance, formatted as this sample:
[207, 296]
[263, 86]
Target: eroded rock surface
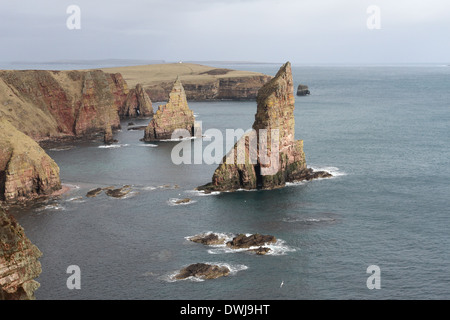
[26, 171]
[175, 116]
[269, 156]
[203, 271]
[19, 264]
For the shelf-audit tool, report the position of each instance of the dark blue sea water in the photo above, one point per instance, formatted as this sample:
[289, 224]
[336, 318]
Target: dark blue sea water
[382, 130]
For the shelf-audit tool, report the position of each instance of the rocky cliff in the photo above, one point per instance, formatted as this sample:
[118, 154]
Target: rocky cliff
[278, 158]
[54, 104]
[200, 82]
[26, 171]
[175, 115]
[19, 264]
[137, 104]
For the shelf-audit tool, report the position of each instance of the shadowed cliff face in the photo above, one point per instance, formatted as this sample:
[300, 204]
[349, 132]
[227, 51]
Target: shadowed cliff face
[26, 171]
[53, 104]
[175, 115]
[279, 158]
[19, 264]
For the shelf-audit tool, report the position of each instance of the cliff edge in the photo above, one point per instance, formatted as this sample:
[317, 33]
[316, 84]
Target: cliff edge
[19, 264]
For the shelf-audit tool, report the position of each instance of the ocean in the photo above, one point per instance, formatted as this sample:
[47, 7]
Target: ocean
[383, 131]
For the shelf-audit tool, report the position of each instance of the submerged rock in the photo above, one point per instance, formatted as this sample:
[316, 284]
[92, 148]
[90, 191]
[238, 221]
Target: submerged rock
[175, 117]
[242, 241]
[19, 264]
[259, 160]
[119, 192]
[203, 271]
[260, 251]
[181, 201]
[94, 192]
[302, 90]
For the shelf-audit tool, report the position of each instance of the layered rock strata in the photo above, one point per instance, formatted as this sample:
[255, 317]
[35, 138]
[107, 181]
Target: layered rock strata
[173, 117]
[200, 82]
[26, 171]
[137, 104]
[56, 104]
[269, 156]
[19, 264]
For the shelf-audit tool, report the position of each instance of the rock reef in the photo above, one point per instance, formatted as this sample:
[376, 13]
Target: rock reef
[19, 264]
[203, 271]
[278, 157]
[26, 171]
[173, 117]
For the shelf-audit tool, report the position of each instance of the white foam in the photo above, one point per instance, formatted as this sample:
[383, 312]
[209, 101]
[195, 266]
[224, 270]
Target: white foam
[202, 193]
[76, 199]
[307, 220]
[179, 139]
[149, 145]
[54, 206]
[335, 172]
[113, 146]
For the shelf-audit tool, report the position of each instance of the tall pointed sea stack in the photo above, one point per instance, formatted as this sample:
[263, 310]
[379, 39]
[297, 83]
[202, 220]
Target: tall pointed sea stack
[174, 115]
[279, 158]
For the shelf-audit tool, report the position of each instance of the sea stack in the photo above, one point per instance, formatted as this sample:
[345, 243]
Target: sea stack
[137, 104]
[19, 264]
[279, 158]
[171, 118]
[26, 171]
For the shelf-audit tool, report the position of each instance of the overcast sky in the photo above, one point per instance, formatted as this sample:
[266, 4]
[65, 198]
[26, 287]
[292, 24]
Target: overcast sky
[301, 31]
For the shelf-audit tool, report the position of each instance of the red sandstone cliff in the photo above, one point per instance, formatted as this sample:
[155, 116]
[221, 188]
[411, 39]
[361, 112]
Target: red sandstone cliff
[19, 264]
[53, 104]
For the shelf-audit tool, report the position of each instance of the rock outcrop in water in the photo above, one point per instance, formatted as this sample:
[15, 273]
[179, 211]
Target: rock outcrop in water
[26, 171]
[203, 271]
[175, 116]
[268, 157]
[242, 241]
[19, 264]
[303, 90]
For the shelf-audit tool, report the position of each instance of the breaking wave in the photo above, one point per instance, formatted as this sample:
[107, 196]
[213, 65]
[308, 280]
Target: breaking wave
[113, 146]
